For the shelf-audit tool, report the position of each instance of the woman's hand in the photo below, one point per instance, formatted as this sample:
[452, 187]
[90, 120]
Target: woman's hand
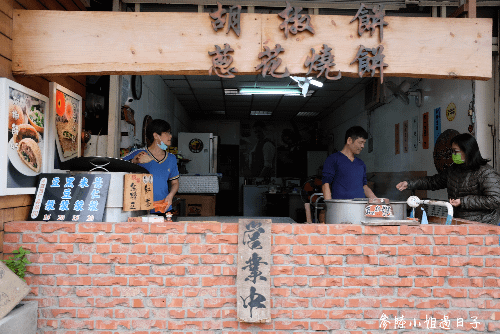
[402, 185]
[455, 202]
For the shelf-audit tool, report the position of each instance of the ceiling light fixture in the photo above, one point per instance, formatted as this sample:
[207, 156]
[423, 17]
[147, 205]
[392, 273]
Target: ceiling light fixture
[307, 114]
[260, 113]
[304, 83]
[266, 91]
[270, 91]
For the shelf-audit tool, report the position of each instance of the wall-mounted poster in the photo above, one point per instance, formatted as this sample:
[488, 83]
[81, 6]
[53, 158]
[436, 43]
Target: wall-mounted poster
[396, 139]
[66, 125]
[23, 142]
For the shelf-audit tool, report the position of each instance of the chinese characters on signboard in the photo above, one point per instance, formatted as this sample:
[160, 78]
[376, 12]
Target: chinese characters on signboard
[429, 323]
[137, 192]
[66, 197]
[369, 59]
[254, 268]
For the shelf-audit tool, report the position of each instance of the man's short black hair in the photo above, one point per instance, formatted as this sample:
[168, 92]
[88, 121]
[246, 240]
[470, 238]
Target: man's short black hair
[356, 132]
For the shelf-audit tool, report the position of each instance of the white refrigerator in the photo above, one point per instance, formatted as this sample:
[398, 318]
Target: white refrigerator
[201, 149]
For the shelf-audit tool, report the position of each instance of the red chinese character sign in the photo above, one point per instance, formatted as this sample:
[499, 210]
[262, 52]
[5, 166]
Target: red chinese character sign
[270, 62]
[321, 63]
[221, 62]
[293, 21]
[369, 22]
[233, 18]
[370, 60]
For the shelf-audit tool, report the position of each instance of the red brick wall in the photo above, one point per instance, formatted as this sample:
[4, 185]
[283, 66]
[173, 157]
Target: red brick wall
[180, 277]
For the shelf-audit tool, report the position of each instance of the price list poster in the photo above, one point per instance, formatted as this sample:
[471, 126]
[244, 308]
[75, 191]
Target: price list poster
[65, 197]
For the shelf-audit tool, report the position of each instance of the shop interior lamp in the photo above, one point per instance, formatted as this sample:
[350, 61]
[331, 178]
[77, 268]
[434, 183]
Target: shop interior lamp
[270, 91]
[304, 83]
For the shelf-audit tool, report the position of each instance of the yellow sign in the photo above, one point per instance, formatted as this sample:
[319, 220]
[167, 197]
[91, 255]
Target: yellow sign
[451, 111]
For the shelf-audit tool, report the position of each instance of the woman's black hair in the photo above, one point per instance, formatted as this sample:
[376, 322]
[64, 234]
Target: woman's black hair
[157, 126]
[468, 145]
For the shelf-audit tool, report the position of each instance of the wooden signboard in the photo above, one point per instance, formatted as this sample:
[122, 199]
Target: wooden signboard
[147, 193]
[254, 270]
[137, 192]
[71, 42]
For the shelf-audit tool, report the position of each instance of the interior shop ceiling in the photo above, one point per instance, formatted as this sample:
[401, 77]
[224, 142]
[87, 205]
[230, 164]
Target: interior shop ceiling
[203, 97]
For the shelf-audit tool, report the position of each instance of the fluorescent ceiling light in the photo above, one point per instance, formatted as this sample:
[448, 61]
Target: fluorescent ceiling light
[270, 91]
[307, 114]
[260, 113]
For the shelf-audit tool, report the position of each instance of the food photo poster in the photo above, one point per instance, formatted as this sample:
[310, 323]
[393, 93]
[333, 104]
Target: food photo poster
[23, 142]
[65, 125]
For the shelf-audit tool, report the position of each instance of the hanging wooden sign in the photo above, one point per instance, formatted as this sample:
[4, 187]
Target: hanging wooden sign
[254, 270]
[137, 192]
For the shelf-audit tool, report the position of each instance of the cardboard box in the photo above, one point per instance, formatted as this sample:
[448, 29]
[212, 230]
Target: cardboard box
[12, 290]
[199, 205]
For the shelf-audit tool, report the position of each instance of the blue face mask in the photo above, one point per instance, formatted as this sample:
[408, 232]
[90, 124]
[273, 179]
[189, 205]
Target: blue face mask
[162, 145]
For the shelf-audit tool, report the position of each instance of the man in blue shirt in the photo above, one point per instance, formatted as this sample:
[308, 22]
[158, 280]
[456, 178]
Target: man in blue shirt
[344, 175]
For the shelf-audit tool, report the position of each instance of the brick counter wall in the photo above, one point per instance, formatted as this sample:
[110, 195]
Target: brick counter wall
[181, 277]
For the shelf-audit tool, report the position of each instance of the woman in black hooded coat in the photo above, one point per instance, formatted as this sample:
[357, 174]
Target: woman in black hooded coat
[473, 185]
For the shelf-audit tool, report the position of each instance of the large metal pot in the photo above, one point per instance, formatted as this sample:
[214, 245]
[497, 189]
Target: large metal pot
[347, 211]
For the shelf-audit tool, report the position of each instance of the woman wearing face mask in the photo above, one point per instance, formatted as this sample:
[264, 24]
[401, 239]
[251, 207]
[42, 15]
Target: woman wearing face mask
[473, 186]
[161, 164]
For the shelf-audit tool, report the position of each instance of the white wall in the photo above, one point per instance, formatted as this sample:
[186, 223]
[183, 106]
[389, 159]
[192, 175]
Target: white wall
[485, 106]
[159, 102]
[437, 93]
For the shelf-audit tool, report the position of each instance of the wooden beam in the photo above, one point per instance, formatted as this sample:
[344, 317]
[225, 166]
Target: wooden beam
[269, 3]
[53, 42]
[468, 9]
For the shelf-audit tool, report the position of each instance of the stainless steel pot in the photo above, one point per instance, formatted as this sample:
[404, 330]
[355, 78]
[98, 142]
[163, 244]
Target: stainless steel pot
[347, 211]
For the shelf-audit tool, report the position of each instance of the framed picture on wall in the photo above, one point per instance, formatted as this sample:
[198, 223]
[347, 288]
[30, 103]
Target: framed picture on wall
[23, 138]
[65, 126]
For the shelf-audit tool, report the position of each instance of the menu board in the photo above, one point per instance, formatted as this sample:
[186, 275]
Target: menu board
[65, 197]
[23, 151]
